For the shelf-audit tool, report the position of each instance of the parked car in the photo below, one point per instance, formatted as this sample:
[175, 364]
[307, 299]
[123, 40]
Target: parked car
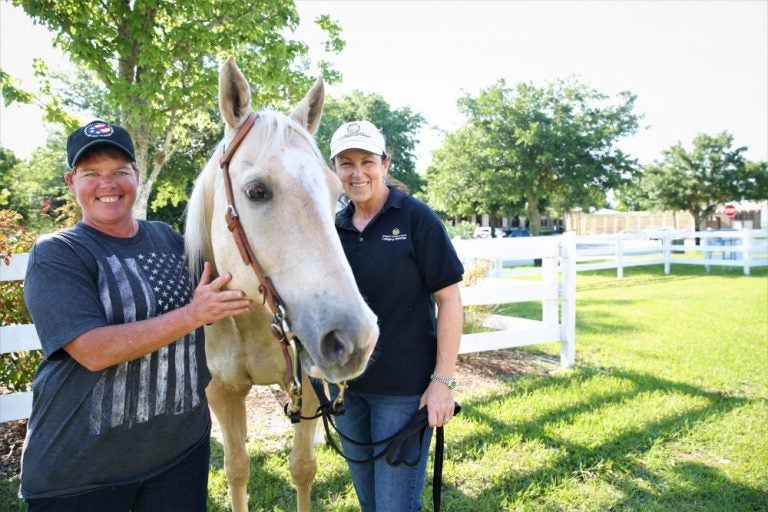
[482, 232]
[516, 232]
[660, 233]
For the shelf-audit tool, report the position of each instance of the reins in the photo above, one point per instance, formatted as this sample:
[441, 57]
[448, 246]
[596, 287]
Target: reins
[280, 327]
[396, 447]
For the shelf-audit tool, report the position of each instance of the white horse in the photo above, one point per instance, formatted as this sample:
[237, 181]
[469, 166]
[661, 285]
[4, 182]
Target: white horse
[284, 196]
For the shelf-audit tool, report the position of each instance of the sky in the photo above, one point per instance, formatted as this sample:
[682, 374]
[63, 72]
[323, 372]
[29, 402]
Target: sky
[695, 66]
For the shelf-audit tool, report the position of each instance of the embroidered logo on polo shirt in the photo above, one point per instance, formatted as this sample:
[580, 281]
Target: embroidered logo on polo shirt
[395, 236]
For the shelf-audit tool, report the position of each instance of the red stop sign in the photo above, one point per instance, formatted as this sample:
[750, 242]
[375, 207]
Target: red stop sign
[729, 210]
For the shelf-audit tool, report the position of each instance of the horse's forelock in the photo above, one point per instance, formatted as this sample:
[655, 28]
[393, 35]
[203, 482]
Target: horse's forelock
[272, 130]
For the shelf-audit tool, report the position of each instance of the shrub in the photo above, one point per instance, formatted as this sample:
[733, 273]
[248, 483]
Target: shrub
[17, 369]
[462, 229]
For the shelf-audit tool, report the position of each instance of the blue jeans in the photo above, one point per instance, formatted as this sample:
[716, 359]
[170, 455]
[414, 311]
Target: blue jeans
[180, 488]
[379, 486]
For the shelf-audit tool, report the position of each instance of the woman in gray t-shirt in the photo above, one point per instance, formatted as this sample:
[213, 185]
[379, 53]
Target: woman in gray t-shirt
[119, 413]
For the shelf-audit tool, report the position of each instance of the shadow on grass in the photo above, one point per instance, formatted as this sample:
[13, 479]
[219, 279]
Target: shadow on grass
[693, 486]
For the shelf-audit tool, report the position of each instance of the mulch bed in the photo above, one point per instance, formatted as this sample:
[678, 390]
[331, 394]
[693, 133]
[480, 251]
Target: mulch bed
[11, 440]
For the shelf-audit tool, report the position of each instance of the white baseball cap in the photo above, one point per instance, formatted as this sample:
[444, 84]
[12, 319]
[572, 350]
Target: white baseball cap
[358, 135]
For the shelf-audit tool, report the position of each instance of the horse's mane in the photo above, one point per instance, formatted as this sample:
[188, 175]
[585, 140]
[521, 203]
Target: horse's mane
[272, 131]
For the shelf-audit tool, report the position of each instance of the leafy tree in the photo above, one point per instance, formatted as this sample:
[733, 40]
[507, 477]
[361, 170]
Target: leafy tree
[17, 368]
[399, 127]
[157, 63]
[541, 145]
[462, 180]
[169, 197]
[37, 185]
[11, 92]
[697, 181]
[8, 161]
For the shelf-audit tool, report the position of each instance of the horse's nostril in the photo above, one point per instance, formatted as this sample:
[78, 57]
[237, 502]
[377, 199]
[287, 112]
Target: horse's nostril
[334, 349]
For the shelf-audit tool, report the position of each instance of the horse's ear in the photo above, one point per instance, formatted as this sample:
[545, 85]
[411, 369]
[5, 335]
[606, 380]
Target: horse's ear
[234, 94]
[309, 110]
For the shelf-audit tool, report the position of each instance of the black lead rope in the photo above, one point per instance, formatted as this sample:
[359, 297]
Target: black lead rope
[396, 446]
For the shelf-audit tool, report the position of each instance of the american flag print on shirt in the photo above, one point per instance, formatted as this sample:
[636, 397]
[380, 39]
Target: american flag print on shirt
[164, 381]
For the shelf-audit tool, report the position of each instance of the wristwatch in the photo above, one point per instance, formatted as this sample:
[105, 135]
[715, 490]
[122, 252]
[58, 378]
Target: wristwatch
[448, 381]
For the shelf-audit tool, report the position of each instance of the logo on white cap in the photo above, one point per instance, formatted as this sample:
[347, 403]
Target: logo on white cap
[358, 135]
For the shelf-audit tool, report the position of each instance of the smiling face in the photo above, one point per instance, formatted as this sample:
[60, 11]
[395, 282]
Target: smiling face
[362, 175]
[104, 184]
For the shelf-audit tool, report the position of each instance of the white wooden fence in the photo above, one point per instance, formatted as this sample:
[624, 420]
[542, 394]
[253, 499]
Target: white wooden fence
[729, 248]
[16, 338]
[558, 298]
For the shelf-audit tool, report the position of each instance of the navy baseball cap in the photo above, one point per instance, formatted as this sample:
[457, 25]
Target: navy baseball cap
[96, 133]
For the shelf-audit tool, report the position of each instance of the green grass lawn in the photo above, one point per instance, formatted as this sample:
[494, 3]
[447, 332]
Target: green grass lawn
[666, 410]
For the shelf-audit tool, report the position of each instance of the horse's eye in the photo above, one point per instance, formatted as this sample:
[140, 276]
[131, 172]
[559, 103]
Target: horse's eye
[257, 192]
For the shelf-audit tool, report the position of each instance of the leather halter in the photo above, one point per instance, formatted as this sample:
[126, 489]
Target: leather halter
[280, 326]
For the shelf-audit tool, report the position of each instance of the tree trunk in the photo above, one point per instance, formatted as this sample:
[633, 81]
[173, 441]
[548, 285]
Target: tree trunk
[534, 217]
[698, 224]
[148, 175]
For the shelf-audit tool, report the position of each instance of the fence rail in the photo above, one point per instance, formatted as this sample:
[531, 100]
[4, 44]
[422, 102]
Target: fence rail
[558, 299]
[557, 296]
[744, 249]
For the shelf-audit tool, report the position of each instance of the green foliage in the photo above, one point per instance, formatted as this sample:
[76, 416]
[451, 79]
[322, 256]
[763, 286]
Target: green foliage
[7, 162]
[16, 368]
[463, 229]
[399, 127]
[156, 64]
[11, 93]
[37, 185]
[541, 146]
[462, 182]
[169, 196]
[697, 181]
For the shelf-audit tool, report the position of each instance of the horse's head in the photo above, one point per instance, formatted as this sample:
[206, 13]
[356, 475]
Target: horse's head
[285, 196]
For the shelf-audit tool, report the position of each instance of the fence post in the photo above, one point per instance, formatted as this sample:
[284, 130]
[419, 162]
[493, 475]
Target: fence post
[549, 278]
[619, 257]
[707, 254]
[568, 300]
[746, 248]
[666, 250]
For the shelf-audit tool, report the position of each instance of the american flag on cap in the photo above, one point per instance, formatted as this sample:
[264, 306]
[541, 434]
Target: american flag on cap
[97, 133]
[98, 129]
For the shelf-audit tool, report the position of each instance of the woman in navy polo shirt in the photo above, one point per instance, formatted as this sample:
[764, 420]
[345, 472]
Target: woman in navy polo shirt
[405, 266]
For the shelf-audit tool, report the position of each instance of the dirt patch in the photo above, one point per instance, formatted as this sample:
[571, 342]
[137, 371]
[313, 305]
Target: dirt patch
[11, 440]
[476, 373]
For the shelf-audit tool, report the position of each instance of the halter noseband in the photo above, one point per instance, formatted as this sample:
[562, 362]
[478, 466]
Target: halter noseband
[280, 327]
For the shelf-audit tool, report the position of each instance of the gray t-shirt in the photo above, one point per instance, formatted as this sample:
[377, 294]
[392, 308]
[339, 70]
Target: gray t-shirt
[132, 420]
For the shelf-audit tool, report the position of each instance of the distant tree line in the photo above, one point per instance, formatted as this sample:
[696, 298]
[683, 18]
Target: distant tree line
[524, 150]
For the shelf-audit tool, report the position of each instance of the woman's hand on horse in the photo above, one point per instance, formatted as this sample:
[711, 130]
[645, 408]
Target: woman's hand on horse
[211, 302]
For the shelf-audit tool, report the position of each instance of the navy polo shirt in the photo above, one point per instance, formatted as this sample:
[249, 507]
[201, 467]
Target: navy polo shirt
[401, 257]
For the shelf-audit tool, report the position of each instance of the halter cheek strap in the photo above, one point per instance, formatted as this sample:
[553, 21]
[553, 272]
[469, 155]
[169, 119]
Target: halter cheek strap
[280, 327]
